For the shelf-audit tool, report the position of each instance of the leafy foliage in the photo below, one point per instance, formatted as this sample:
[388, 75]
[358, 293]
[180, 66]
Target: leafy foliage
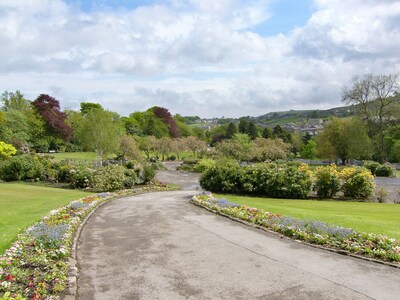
[24, 167]
[270, 180]
[6, 150]
[49, 108]
[164, 114]
[100, 132]
[327, 181]
[344, 138]
[358, 182]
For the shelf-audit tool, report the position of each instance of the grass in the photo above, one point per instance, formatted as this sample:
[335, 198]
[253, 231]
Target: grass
[21, 205]
[79, 156]
[282, 121]
[376, 218]
[398, 173]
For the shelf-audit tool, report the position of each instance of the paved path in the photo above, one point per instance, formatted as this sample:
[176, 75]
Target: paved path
[158, 246]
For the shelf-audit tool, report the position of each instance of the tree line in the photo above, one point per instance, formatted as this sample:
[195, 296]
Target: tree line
[40, 125]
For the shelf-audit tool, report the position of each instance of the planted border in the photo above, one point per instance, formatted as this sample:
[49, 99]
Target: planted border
[36, 265]
[314, 232]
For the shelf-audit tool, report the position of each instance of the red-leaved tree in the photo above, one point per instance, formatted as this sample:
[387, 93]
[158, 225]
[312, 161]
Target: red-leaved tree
[164, 114]
[49, 108]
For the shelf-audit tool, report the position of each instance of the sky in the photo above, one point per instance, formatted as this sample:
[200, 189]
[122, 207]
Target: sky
[210, 58]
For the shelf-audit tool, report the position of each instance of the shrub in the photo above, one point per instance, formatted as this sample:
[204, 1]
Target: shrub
[269, 180]
[63, 172]
[81, 177]
[358, 182]
[130, 164]
[327, 181]
[23, 167]
[385, 170]
[109, 178]
[223, 177]
[377, 169]
[371, 165]
[7, 150]
[203, 165]
[148, 173]
[130, 178]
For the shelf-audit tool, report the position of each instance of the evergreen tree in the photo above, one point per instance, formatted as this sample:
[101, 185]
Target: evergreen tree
[252, 131]
[267, 133]
[231, 130]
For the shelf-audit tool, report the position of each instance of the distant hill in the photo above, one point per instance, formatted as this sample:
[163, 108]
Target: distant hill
[296, 116]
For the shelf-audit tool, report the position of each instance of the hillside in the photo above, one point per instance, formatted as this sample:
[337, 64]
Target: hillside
[298, 116]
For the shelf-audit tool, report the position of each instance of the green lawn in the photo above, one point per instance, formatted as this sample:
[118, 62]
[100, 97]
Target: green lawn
[74, 155]
[398, 173]
[21, 205]
[367, 217]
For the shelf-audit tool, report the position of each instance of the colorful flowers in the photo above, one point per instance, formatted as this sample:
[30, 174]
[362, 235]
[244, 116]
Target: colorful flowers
[36, 265]
[314, 232]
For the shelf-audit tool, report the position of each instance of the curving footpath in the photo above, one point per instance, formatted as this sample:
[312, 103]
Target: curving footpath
[159, 246]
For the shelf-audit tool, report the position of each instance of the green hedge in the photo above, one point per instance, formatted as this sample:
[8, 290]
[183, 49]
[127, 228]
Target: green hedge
[288, 180]
[268, 180]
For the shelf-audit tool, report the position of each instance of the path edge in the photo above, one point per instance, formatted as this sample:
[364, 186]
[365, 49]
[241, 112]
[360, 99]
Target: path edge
[338, 251]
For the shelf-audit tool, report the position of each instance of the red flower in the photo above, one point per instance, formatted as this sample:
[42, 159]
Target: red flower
[9, 278]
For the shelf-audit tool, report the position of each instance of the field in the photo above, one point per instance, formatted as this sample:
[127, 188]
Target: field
[22, 205]
[367, 217]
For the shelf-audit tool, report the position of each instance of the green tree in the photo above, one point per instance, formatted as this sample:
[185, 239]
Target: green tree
[231, 130]
[269, 149]
[86, 107]
[267, 133]
[375, 98]
[184, 129]
[280, 133]
[230, 149]
[17, 130]
[243, 125]
[100, 133]
[146, 144]
[129, 148]
[309, 150]
[14, 101]
[252, 131]
[344, 139]
[194, 144]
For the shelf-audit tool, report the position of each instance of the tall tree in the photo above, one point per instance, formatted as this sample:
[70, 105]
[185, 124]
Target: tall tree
[86, 107]
[194, 144]
[344, 138]
[231, 130]
[100, 133]
[373, 97]
[14, 101]
[164, 114]
[267, 133]
[49, 108]
[279, 132]
[252, 131]
[243, 125]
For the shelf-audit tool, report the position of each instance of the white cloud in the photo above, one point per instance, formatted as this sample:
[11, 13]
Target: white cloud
[194, 57]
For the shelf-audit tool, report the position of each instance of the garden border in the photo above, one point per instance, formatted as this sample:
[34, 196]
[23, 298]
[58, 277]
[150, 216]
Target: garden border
[338, 251]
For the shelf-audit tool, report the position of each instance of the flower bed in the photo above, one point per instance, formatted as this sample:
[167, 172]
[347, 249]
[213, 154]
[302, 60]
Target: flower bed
[36, 265]
[314, 232]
